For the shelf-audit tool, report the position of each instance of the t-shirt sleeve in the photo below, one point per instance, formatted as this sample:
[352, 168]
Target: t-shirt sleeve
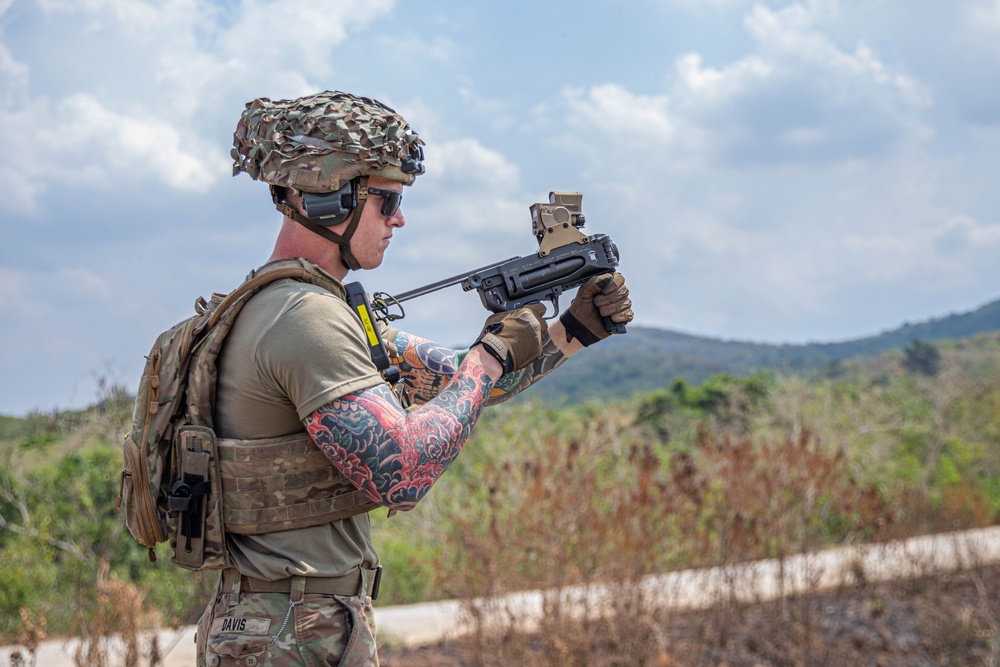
[316, 352]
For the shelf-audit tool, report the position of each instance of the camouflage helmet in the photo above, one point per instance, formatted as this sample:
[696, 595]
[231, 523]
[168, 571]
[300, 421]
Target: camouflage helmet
[320, 142]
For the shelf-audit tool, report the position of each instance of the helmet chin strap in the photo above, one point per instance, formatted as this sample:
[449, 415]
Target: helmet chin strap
[342, 240]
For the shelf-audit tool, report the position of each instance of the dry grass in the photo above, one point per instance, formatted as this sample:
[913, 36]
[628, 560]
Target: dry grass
[113, 631]
[587, 520]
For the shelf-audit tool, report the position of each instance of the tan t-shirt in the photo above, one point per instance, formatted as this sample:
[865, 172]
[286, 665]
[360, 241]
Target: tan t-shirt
[294, 348]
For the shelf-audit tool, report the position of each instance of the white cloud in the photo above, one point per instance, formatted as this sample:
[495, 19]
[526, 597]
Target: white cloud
[129, 145]
[714, 85]
[400, 48]
[705, 4]
[985, 14]
[962, 234]
[17, 301]
[13, 76]
[712, 237]
[467, 161]
[799, 98]
[495, 112]
[793, 34]
[85, 283]
[791, 28]
[80, 141]
[144, 90]
[475, 206]
[609, 110]
[271, 35]
[982, 26]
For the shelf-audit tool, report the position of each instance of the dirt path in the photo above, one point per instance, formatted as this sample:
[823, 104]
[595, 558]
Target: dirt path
[428, 623]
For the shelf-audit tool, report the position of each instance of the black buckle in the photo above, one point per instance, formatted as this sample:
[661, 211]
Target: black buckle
[187, 490]
[180, 496]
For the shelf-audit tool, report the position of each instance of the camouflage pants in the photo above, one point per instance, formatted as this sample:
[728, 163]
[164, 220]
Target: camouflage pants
[287, 630]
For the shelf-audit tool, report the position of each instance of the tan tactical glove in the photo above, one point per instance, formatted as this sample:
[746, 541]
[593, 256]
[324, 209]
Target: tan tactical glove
[600, 297]
[515, 338]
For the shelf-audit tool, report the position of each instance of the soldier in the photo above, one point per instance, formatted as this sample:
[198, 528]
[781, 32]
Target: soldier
[296, 371]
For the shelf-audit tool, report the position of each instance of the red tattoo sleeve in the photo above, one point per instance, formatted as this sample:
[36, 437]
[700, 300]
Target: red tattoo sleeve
[395, 456]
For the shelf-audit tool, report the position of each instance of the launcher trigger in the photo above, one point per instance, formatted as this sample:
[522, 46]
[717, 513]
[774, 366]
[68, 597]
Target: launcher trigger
[555, 308]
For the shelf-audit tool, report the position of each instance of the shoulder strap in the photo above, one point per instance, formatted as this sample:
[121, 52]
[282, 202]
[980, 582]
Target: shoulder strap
[297, 269]
[212, 330]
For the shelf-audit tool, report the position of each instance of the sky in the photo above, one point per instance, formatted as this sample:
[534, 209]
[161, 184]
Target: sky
[771, 171]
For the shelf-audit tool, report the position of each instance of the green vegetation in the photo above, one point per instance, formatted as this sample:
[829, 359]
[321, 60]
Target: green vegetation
[647, 359]
[67, 558]
[683, 475]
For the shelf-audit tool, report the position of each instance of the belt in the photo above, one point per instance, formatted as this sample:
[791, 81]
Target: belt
[348, 584]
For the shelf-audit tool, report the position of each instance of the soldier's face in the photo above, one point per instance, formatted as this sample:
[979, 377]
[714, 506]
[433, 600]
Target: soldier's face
[372, 237]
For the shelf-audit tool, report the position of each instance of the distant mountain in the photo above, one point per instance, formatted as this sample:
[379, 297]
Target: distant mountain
[647, 358]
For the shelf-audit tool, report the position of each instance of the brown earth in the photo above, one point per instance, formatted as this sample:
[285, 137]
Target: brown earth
[943, 620]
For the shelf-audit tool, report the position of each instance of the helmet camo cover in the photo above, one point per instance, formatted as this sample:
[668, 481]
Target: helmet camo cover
[319, 142]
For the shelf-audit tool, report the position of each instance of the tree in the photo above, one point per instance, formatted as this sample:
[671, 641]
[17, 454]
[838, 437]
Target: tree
[922, 358]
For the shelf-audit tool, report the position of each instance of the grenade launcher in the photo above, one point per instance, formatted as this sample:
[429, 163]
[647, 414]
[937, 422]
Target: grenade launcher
[566, 259]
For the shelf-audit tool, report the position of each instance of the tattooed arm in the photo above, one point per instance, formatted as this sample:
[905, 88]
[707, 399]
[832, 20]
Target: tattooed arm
[557, 349]
[426, 368]
[394, 456]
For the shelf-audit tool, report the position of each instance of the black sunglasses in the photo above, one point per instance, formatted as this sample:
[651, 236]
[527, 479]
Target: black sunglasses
[390, 200]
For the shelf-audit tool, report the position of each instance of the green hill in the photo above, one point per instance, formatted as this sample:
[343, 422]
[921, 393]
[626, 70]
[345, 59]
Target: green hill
[647, 358]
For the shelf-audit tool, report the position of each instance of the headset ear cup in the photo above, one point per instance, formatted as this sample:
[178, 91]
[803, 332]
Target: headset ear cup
[331, 209]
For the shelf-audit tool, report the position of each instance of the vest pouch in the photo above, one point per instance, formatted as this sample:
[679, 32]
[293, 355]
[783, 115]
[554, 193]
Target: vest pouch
[136, 494]
[196, 533]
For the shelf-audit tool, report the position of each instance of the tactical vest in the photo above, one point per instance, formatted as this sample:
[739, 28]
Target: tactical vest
[286, 483]
[181, 483]
[282, 484]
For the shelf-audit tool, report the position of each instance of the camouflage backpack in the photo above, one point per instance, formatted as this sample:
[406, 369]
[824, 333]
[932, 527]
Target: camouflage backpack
[171, 480]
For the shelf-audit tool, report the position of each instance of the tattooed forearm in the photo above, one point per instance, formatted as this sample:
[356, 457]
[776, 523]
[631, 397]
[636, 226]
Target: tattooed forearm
[425, 367]
[392, 455]
[512, 384]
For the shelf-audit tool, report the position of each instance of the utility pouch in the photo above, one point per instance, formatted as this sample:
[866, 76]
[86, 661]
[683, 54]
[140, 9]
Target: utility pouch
[191, 494]
[358, 300]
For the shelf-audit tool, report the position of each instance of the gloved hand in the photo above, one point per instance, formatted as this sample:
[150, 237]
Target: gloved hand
[515, 338]
[601, 296]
